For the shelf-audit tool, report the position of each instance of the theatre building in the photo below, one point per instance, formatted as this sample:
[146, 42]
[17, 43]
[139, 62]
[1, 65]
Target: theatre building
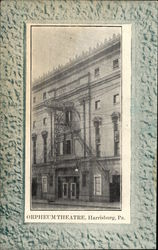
[75, 128]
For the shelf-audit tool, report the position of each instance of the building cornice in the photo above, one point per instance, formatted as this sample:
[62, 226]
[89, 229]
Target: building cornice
[67, 70]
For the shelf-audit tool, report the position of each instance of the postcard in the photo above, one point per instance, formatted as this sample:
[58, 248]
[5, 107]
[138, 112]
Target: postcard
[78, 124]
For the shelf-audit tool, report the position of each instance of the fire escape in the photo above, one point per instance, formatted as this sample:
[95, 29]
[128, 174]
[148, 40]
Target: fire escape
[58, 109]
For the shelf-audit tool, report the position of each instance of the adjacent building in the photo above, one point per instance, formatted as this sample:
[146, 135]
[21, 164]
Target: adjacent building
[75, 128]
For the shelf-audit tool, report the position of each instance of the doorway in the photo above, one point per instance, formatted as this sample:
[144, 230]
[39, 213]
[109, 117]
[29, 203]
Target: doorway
[115, 189]
[65, 190]
[68, 187]
[34, 186]
[73, 190]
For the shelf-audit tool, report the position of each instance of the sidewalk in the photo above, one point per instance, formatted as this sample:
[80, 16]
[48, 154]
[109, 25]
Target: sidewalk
[76, 203]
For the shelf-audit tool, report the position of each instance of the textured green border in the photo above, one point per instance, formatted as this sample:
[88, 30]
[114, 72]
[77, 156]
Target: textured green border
[141, 233]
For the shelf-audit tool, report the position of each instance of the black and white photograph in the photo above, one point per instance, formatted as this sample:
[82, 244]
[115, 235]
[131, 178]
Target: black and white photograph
[75, 123]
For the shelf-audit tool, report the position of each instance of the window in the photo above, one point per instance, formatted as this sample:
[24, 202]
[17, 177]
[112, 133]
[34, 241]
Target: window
[116, 98]
[98, 150]
[96, 72]
[115, 64]
[97, 129]
[34, 99]
[44, 121]
[34, 124]
[58, 149]
[116, 134]
[44, 184]
[116, 140]
[97, 184]
[44, 95]
[97, 138]
[34, 151]
[68, 147]
[45, 148]
[97, 104]
[51, 180]
[68, 117]
[84, 179]
[61, 148]
[117, 148]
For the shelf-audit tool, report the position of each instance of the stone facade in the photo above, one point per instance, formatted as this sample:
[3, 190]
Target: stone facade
[75, 126]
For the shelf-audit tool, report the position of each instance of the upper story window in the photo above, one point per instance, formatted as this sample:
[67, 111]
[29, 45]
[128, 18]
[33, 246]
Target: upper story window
[115, 120]
[97, 104]
[96, 72]
[115, 64]
[68, 147]
[116, 98]
[45, 149]
[44, 135]
[68, 116]
[34, 99]
[60, 148]
[44, 121]
[97, 138]
[34, 149]
[44, 95]
[97, 128]
[34, 124]
[51, 180]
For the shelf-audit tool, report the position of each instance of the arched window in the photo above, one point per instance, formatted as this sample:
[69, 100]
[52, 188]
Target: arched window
[34, 139]
[115, 119]
[44, 135]
[97, 124]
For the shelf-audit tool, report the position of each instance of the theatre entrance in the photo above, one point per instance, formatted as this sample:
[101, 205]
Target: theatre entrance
[68, 187]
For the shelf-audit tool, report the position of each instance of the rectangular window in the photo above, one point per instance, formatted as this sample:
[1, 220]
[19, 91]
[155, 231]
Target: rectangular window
[58, 148]
[97, 129]
[97, 104]
[116, 140]
[84, 179]
[44, 184]
[97, 185]
[44, 95]
[51, 180]
[116, 136]
[34, 151]
[115, 64]
[34, 124]
[98, 150]
[117, 149]
[97, 138]
[96, 72]
[68, 117]
[61, 148]
[116, 98]
[34, 99]
[45, 148]
[68, 147]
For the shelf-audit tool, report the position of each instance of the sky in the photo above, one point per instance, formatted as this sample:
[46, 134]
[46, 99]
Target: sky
[52, 46]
